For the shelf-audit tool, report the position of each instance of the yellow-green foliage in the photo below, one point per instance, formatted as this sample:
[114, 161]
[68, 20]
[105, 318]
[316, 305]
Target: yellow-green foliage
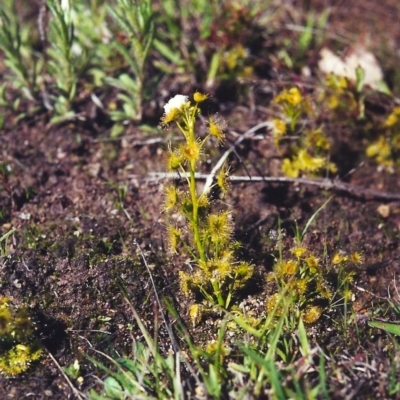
[18, 346]
[307, 152]
[302, 284]
[293, 105]
[343, 99]
[234, 63]
[199, 232]
[385, 150]
[337, 96]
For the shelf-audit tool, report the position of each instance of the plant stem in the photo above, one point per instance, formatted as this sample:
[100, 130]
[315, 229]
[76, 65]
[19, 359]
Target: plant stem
[192, 186]
[217, 292]
[195, 213]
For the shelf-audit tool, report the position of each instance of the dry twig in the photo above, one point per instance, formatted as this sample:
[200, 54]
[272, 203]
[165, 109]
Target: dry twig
[322, 183]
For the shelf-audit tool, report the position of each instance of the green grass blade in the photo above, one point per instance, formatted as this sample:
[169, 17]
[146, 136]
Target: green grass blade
[394, 329]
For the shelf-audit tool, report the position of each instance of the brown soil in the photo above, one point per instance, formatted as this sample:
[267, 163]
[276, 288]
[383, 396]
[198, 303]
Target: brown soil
[79, 201]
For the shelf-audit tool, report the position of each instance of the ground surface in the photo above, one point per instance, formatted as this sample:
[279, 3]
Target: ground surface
[80, 200]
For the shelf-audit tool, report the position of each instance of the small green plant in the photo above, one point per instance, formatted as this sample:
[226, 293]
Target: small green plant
[135, 19]
[302, 284]
[206, 236]
[233, 56]
[3, 242]
[93, 39]
[309, 155]
[176, 52]
[73, 370]
[208, 38]
[293, 105]
[229, 66]
[121, 191]
[150, 374]
[336, 95]
[385, 150]
[345, 97]
[18, 345]
[283, 370]
[306, 153]
[309, 34]
[20, 62]
[233, 63]
[67, 58]
[314, 27]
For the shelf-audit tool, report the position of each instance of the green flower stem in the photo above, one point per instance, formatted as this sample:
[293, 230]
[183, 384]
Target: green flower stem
[195, 213]
[182, 130]
[217, 292]
[190, 136]
[195, 202]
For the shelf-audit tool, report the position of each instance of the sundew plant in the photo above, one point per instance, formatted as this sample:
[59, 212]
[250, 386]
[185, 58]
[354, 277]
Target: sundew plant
[301, 286]
[304, 151]
[214, 275]
[18, 345]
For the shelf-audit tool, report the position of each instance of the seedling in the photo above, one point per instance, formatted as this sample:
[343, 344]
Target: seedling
[134, 19]
[67, 58]
[11, 42]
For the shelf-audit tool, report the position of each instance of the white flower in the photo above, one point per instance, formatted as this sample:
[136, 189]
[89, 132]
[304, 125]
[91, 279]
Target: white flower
[65, 5]
[176, 102]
